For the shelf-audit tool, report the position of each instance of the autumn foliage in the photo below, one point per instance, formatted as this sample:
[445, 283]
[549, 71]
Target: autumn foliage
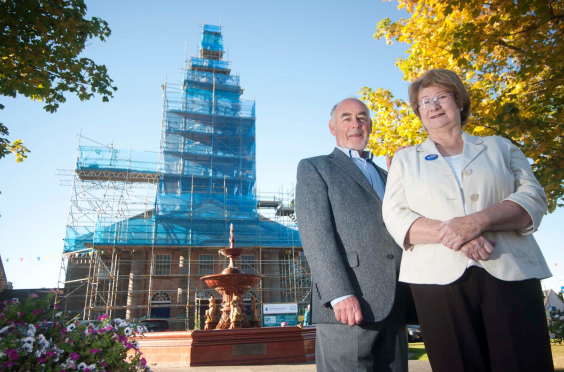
[509, 54]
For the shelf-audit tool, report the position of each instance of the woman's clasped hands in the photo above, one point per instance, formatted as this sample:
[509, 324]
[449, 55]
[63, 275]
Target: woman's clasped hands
[464, 234]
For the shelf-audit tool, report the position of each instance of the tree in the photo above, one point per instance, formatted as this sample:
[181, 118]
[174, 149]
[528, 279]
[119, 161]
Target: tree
[40, 44]
[509, 55]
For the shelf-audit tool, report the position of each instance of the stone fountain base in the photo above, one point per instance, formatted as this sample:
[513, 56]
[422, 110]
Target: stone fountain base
[270, 345]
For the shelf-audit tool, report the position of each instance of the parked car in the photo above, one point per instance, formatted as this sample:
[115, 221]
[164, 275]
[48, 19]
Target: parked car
[94, 322]
[155, 325]
[414, 333]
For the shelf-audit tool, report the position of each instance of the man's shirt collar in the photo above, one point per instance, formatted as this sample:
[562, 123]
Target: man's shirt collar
[353, 154]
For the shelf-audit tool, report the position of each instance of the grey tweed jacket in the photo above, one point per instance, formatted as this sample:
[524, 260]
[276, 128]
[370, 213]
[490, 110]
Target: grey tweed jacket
[347, 246]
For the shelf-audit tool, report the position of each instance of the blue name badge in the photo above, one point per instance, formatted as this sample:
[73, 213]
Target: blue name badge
[431, 157]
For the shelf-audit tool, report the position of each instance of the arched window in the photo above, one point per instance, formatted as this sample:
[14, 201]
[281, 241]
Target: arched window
[160, 298]
[207, 293]
[249, 295]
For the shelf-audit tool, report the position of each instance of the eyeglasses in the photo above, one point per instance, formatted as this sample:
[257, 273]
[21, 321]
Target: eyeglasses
[440, 98]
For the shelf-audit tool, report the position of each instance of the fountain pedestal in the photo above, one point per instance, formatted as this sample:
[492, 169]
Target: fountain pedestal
[243, 346]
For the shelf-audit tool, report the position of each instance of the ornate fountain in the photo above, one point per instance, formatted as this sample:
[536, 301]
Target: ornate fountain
[232, 283]
[234, 341]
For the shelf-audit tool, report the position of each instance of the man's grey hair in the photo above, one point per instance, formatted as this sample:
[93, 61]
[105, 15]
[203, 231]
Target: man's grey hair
[344, 99]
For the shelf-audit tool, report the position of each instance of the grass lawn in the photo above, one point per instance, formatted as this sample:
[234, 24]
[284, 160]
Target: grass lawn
[417, 352]
[558, 357]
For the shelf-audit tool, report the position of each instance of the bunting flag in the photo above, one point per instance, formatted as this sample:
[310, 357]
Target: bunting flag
[38, 258]
[21, 259]
[7, 259]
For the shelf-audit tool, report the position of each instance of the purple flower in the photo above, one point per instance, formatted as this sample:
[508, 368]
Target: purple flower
[33, 295]
[143, 362]
[94, 351]
[50, 354]
[57, 307]
[14, 356]
[122, 338]
[128, 345]
[9, 364]
[74, 356]
[41, 360]
[36, 312]
[103, 317]
[104, 364]
[20, 314]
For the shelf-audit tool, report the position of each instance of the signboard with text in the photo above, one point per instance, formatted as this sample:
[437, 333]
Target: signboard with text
[277, 319]
[285, 308]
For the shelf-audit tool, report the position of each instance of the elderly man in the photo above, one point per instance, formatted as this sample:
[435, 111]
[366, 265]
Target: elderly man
[357, 303]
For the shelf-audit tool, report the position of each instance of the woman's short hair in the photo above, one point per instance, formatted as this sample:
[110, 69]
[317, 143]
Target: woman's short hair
[440, 77]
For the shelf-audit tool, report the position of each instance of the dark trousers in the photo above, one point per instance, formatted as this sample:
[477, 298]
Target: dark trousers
[480, 323]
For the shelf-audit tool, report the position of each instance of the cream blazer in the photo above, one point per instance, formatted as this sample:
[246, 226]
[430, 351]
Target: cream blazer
[421, 184]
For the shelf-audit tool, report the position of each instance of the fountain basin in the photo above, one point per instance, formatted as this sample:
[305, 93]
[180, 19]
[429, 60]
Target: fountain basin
[235, 281]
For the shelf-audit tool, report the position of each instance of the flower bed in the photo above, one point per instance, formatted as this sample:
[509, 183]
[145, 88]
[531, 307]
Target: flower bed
[36, 337]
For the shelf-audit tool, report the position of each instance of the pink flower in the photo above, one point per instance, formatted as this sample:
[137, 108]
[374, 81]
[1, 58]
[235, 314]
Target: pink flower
[63, 331]
[36, 312]
[20, 314]
[14, 356]
[122, 338]
[74, 356]
[128, 345]
[143, 362]
[103, 317]
[57, 307]
[41, 360]
[94, 351]
[33, 295]
[50, 354]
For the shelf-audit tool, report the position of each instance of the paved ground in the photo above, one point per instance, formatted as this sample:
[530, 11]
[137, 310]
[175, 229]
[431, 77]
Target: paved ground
[414, 366]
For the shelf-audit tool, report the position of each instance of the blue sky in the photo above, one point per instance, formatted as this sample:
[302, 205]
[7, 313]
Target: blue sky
[295, 58]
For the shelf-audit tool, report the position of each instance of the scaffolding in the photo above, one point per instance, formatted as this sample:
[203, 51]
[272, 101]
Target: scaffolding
[144, 226]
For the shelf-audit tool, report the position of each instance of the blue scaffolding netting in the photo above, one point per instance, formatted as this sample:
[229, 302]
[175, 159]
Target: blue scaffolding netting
[202, 180]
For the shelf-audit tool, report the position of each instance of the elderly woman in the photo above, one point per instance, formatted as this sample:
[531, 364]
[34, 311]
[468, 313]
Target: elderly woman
[464, 209]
